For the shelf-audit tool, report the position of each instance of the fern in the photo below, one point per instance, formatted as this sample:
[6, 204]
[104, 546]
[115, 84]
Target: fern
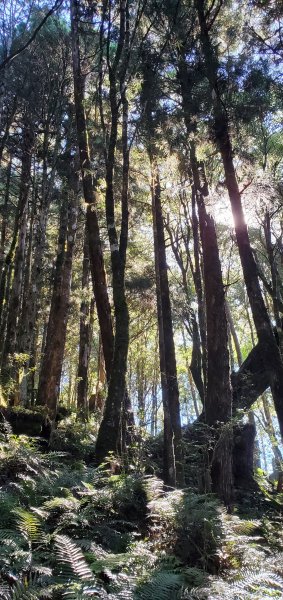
[163, 585]
[71, 558]
[57, 503]
[28, 524]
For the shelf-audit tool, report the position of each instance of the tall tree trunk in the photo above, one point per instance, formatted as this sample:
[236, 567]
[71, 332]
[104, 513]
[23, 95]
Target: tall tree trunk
[218, 393]
[113, 421]
[51, 367]
[169, 467]
[167, 325]
[94, 240]
[197, 276]
[4, 214]
[85, 339]
[19, 238]
[31, 307]
[20, 345]
[269, 348]
[218, 397]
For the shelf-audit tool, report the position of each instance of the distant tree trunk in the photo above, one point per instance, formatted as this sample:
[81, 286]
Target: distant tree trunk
[140, 387]
[256, 458]
[153, 424]
[20, 230]
[169, 468]
[4, 214]
[195, 329]
[21, 333]
[196, 365]
[97, 400]
[269, 427]
[9, 121]
[167, 326]
[190, 379]
[85, 339]
[51, 367]
[31, 306]
[270, 351]
[197, 276]
[234, 334]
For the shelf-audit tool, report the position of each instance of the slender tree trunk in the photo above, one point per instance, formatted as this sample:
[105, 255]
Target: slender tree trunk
[270, 350]
[19, 236]
[141, 385]
[190, 379]
[94, 240]
[167, 326]
[21, 334]
[4, 215]
[31, 307]
[51, 367]
[169, 467]
[197, 276]
[234, 334]
[85, 339]
[153, 425]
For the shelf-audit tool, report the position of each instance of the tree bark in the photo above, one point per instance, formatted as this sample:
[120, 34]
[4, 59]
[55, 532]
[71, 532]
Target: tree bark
[167, 325]
[112, 435]
[169, 467]
[85, 339]
[51, 367]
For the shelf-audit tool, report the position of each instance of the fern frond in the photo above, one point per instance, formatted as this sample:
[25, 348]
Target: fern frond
[71, 558]
[162, 586]
[57, 503]
[10, 535]
[154, 487]
[28, 524]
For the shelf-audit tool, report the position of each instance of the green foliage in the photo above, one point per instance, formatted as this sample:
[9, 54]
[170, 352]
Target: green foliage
[71, 531]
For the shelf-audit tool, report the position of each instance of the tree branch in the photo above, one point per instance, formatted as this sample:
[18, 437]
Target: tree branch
[22, 48]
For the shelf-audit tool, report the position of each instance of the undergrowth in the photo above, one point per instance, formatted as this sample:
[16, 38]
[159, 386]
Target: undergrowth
[71, 531]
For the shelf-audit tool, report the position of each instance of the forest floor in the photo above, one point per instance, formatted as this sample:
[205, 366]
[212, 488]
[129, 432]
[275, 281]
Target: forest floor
[71, 531]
